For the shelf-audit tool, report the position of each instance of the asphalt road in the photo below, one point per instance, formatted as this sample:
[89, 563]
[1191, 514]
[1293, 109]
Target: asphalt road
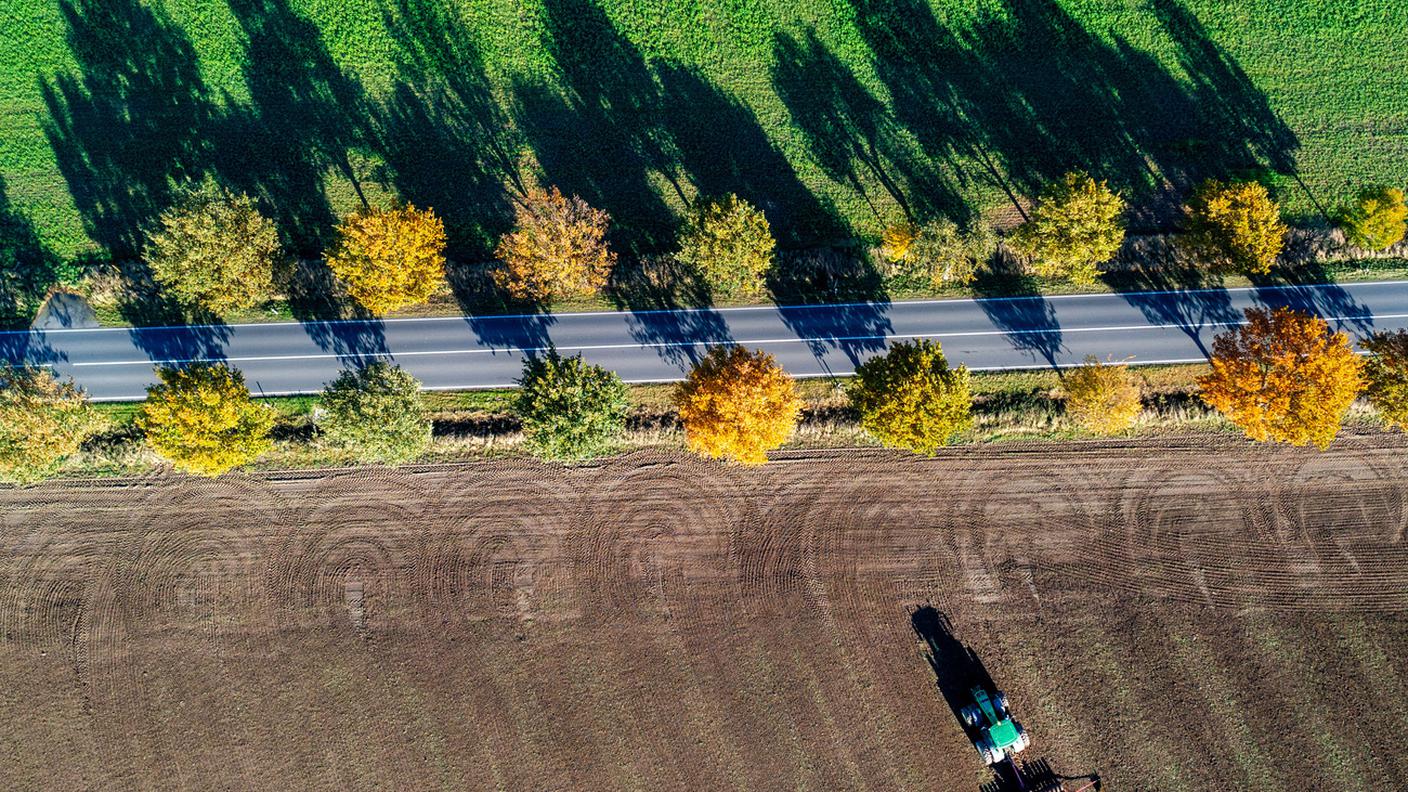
[482, 352]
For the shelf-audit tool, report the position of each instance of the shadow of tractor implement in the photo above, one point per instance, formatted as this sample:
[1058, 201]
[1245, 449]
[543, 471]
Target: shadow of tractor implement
[958, 671]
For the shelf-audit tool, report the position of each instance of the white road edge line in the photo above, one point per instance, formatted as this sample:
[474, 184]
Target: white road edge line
[673, 344]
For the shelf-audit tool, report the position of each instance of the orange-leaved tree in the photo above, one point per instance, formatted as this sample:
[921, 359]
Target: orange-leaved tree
[390, 258]
[737, 405]
[1284, 376]
[557, 248]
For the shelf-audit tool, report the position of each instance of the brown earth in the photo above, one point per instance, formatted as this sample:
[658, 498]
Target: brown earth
[1195, 614]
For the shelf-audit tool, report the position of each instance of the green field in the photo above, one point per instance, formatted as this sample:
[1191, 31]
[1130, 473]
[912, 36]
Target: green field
[837, 116]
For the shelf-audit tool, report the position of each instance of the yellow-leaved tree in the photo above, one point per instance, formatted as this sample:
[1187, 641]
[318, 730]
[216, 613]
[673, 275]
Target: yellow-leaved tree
[390, 258]
[201, 418]
[1102, 398]
[1236, 226]
[737, 405]
[557, 249]
[729, 242]
[1284, 376]
[42, 422]
[909, 398]
[1076, 225]
[1377, 220]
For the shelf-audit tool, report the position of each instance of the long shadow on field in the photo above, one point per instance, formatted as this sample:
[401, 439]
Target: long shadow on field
[134, 120]
[27, 266]
[1014, 96]
[447, 141]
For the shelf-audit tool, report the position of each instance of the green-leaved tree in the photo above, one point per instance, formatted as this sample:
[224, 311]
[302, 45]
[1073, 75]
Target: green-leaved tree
[1376, 221]
[909, 397]
[571, 409]
[376, 413]
[729, 242]
[214, 251]
[1076, 225]
[937, 254]
[43, 421]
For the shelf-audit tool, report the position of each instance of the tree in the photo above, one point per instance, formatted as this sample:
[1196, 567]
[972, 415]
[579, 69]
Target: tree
[214, 251]
[729, 242]
[939, 254]
[1075, 227]
[1387, 375]
[737, 405]
[1102, 398]
[1236, 226]
[390, 258]
[42, 422]
[557, 249]
[376, 412]
[570, 409]
[1284, 376]
[201, 418]
[1377, 219]
[909, 398]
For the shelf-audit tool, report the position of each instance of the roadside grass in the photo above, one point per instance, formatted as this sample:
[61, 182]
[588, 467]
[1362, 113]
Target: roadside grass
[1009, 406]
[838, 118]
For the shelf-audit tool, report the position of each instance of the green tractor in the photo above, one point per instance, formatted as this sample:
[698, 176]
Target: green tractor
[994, 733]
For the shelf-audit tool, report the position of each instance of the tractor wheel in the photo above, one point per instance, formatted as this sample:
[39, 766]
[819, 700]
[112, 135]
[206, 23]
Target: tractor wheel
[1023, 739]
[1000, 701]
[969, 715]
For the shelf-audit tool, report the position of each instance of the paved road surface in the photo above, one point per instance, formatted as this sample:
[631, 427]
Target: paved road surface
[481, 352]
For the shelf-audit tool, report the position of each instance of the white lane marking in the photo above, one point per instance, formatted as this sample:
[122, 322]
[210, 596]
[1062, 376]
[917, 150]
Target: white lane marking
[729, 309]
[662, 380]
[672, 344]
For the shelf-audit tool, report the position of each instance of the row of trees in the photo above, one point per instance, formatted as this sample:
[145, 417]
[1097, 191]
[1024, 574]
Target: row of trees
[214, 252]
[1077, 224]
[1282, 376]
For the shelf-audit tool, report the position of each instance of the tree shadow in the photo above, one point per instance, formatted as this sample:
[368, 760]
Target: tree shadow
[28, 268]
[447, 141]
[851, 134]
[855, 320]
[731, 153]
[1186, 296]
[662, 295]
[303, 117]
[331, 318]
[596, 131]
[1307, 287]
[134, 121]
[1013, 302]
[1024, 92]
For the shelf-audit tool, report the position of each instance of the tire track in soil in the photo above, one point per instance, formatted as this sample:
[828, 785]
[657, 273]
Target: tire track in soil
[844, 524]
[762, 639]
[478, 579]
[163, 575]
[640, 551]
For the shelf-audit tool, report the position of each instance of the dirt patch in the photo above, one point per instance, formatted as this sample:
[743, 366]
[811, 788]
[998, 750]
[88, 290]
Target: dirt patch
[1198, 614]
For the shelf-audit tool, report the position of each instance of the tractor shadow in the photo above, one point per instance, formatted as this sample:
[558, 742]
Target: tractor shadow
[957, 670]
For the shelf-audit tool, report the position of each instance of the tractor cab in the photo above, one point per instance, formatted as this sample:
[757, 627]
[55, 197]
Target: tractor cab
[994, 733]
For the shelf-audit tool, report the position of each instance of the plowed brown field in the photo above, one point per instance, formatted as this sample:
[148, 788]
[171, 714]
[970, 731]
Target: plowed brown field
[1198, 614]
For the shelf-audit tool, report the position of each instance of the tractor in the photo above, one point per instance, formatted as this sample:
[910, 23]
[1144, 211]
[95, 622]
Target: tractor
[994, 733]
